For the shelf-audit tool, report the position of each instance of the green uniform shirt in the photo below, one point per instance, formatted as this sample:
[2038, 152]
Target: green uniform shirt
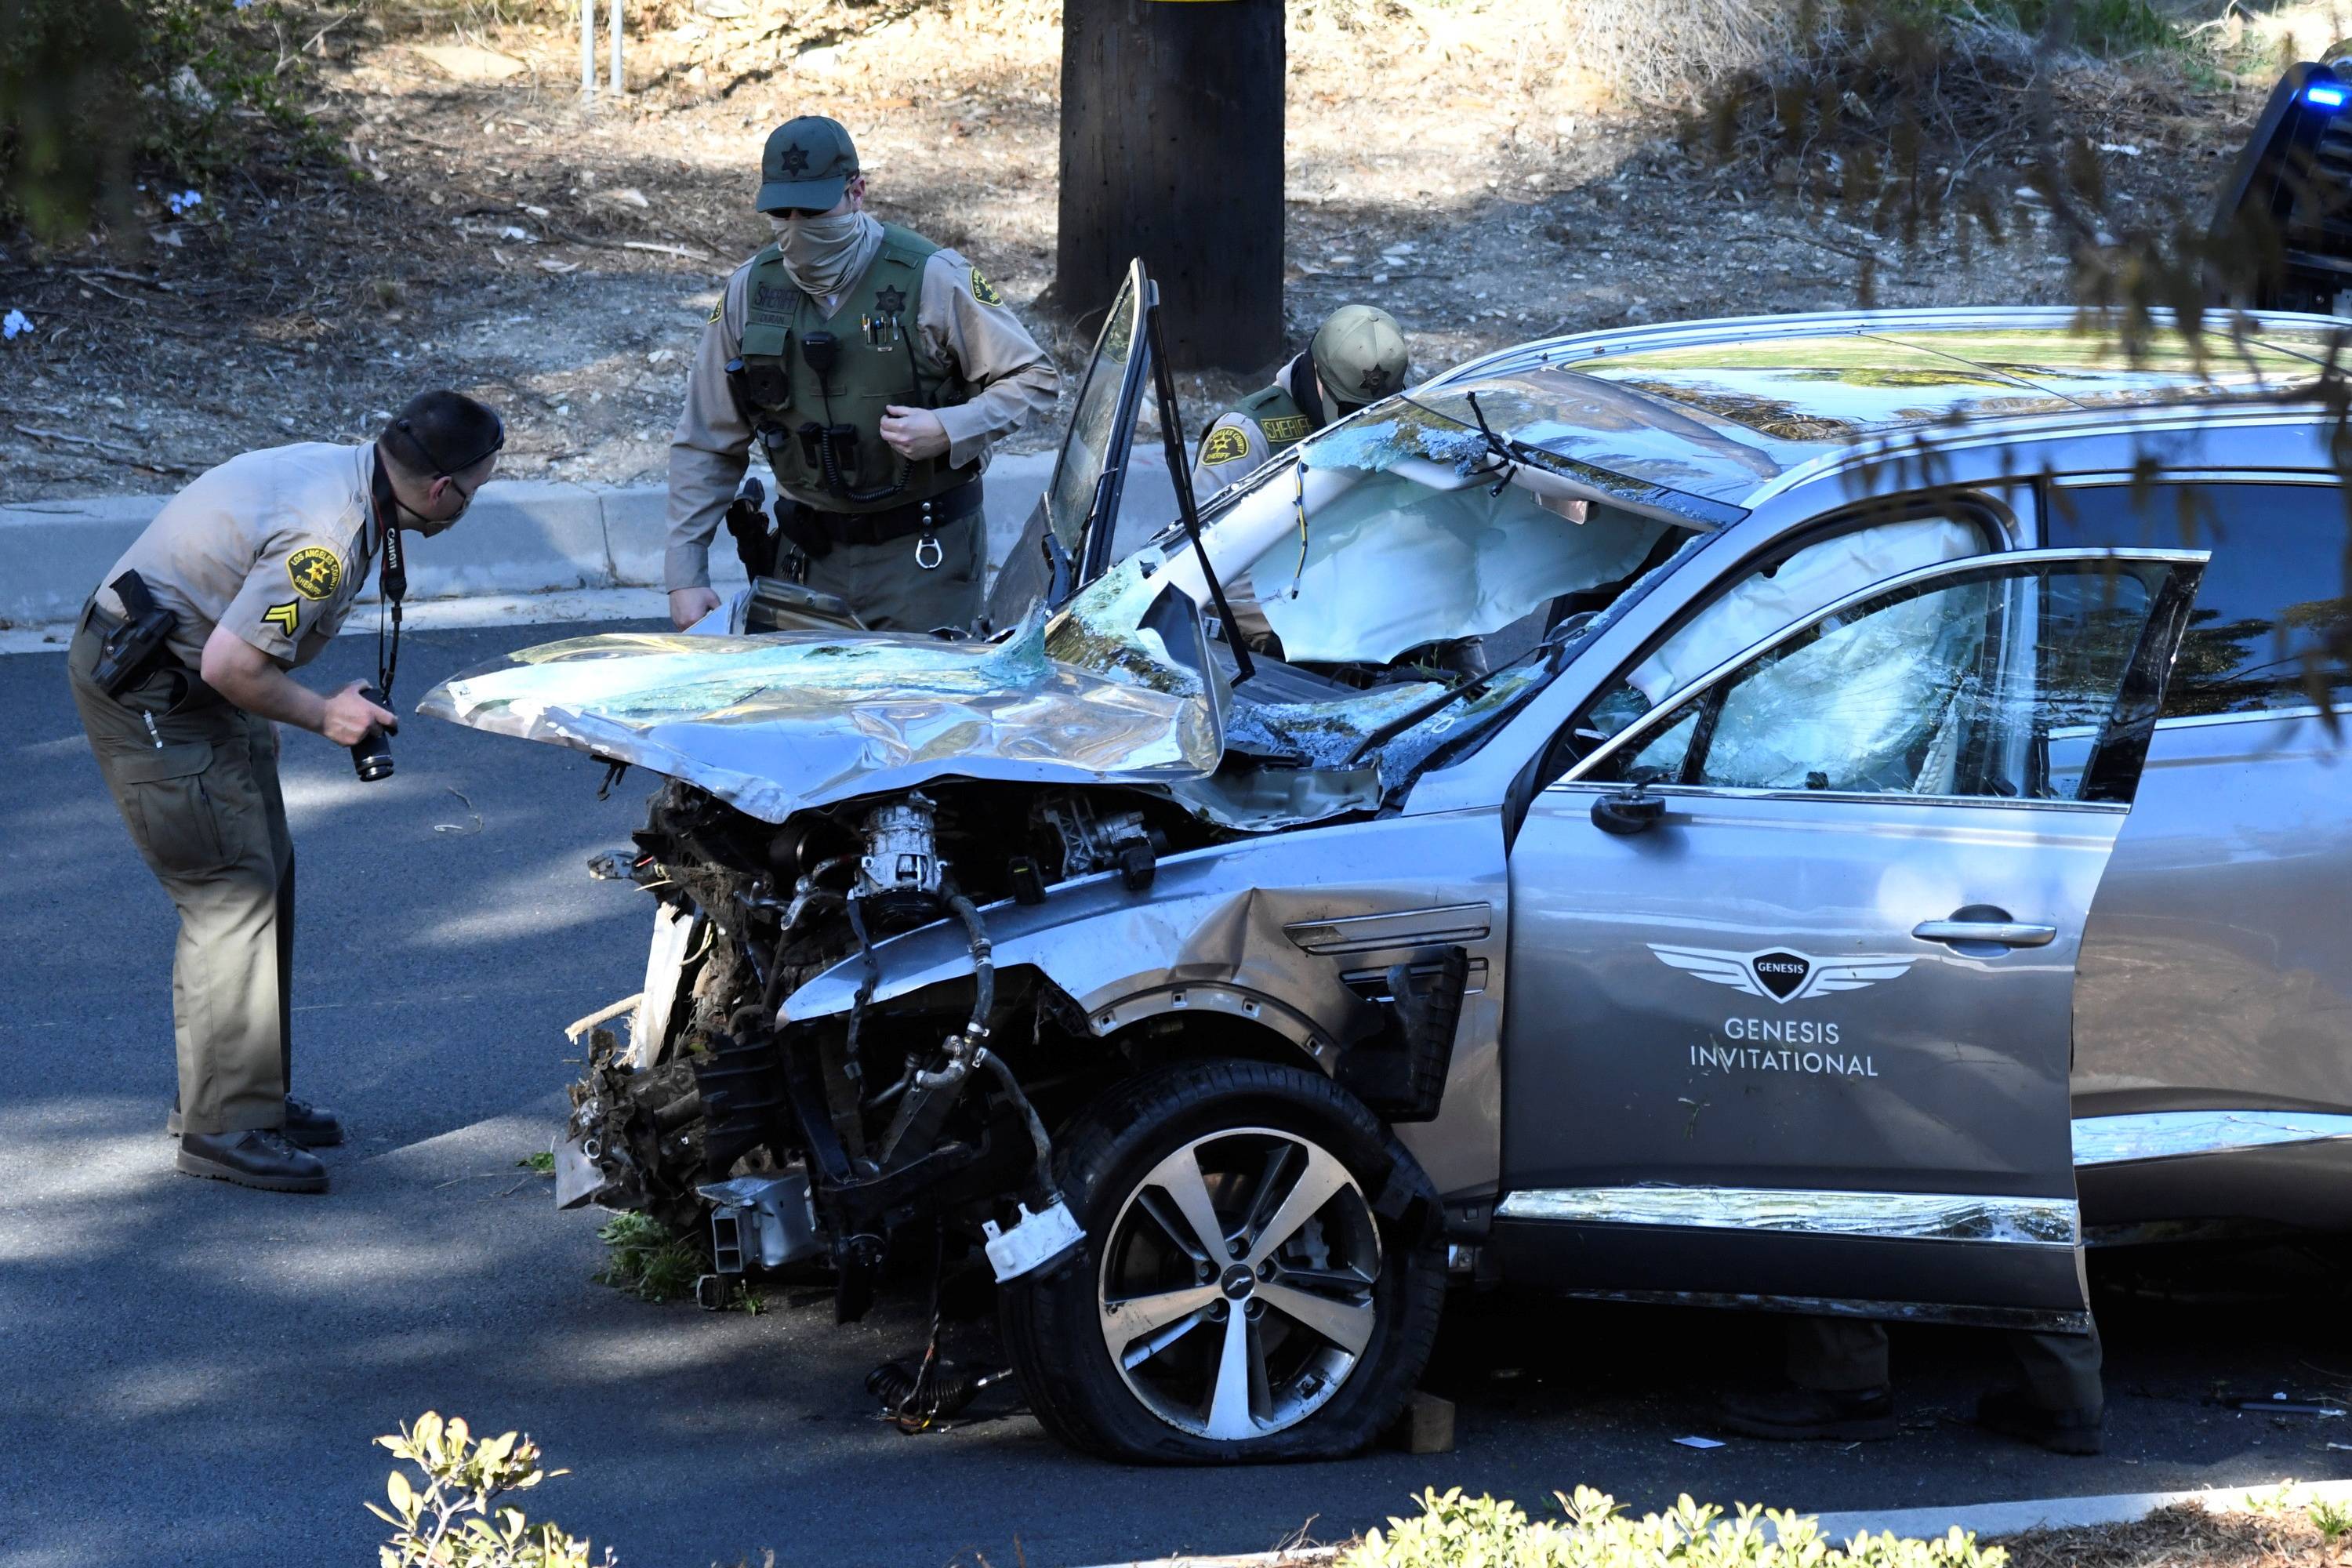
[1260, 425]
[1005, 379]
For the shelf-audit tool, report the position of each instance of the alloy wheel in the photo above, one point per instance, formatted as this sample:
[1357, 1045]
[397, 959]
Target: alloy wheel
[1236, 1288]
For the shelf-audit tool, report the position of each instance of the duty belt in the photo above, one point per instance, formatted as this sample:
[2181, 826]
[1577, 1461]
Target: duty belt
[814, 532]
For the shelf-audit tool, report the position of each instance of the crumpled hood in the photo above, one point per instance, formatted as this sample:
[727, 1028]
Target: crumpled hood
[778, 723]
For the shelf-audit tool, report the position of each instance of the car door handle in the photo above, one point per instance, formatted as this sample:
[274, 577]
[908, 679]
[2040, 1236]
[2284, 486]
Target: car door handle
[2000, 933]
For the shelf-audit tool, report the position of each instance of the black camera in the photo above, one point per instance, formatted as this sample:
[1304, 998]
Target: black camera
[372, 753]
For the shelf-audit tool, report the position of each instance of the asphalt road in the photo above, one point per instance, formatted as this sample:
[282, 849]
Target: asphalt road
[194, 1372]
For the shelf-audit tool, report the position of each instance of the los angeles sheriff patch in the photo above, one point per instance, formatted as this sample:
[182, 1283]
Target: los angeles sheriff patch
[983, 290]
[1227, 444]
[316, 571]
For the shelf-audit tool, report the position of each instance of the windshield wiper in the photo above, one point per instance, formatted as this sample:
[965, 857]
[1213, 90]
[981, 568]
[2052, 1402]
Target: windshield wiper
[1551, 646]
[1497, 448]
[1171, 437]
[1384, 733]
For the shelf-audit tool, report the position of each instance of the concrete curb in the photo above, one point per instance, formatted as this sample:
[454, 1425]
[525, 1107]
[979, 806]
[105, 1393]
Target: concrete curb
[522, 537]
[1983, 1520]
[1989, 1519]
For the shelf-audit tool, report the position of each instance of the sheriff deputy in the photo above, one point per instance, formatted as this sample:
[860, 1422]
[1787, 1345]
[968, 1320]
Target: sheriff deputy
[1357, 356]
[178, 666]
[874, 369]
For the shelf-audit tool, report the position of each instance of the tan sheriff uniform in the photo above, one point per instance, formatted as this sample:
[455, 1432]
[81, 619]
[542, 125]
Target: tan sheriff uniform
[965, 324]
[273, 545]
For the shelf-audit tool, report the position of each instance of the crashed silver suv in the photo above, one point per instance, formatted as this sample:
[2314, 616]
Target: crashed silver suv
[1818, 814]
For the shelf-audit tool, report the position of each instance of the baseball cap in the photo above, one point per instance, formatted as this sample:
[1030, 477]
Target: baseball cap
[807, 163]
[1360, 355]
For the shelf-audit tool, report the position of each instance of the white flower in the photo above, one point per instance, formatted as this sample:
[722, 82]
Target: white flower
[14, 324]
[184, 203]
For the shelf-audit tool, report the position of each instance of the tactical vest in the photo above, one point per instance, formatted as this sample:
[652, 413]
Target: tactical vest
[879, 358]
[1278, 415]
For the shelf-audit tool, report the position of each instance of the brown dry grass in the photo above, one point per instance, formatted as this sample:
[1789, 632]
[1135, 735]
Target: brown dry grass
[2187, 1536]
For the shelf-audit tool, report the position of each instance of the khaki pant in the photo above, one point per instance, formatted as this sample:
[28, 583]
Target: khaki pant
[1843, 1355]
[196, 780]
[892, 591]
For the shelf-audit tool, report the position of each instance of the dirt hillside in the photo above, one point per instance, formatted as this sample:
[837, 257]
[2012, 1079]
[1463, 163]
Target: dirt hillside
[493, 232]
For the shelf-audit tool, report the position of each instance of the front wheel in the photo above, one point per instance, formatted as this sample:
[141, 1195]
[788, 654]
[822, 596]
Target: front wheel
[1261, 1279]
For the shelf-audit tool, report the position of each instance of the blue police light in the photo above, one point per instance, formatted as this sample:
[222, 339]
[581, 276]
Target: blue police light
[2326, 95]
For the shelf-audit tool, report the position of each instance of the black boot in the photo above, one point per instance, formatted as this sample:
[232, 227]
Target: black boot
[307, 1125]
[1790, 1414]
[261, 1158]
[2008, 1412]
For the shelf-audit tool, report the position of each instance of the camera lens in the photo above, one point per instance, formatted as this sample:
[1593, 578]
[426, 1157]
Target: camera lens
[372, 753]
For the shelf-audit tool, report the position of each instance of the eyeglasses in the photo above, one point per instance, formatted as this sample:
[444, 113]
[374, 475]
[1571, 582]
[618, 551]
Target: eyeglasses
[801, 211]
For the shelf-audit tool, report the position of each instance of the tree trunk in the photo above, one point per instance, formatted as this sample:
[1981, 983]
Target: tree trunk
[1171, 150]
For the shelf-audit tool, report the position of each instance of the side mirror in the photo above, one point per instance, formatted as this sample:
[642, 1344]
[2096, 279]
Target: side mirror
[1628, 812]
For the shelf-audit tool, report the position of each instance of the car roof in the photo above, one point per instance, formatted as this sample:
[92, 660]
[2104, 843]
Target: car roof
[1725, 409]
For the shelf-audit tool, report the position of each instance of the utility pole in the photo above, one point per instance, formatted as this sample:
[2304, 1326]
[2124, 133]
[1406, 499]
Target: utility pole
[1172, 149]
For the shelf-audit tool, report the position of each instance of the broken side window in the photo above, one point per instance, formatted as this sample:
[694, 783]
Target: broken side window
[1776, 595]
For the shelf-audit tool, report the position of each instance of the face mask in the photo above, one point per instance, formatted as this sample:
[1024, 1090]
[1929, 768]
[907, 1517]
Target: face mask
[430, 526]
[821, 254]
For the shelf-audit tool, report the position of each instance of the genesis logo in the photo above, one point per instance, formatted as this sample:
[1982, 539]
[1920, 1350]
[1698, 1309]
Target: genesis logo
[1783, 975]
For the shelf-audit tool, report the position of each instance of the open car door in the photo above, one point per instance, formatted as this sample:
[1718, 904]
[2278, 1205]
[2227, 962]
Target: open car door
[1067, 541]
[1792, 956]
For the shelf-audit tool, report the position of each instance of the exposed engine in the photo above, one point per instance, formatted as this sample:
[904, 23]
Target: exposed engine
[782, 1144]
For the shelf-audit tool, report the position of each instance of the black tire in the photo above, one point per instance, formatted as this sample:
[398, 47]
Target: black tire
[1057, 1326]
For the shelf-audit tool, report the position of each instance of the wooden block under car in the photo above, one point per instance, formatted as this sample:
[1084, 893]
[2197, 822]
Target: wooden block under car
[1425, 1427]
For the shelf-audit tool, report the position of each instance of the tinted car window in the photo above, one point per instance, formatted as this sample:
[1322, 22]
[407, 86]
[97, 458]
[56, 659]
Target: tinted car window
[1955, 688]
[2275, 584]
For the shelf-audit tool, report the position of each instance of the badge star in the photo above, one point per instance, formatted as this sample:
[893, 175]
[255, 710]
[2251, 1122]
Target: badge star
[1376, 379]
[794, 159]
[890, 302]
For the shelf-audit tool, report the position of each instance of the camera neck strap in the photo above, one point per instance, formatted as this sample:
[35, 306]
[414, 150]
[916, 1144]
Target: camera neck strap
[392, 579]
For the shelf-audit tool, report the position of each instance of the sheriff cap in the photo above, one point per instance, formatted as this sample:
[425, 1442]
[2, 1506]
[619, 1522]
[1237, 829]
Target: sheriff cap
[1360, 355]
[807, 163]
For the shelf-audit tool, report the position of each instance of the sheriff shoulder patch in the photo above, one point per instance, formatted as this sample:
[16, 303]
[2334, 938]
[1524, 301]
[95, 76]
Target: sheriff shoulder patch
[983, 290]
[714, 312]
[316, 571]
[1284, 428]
[1227, 444]
[286, 617]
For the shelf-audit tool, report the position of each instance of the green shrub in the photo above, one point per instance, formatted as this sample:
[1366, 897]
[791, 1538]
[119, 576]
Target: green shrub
[1455, 1531]
[647, 1261]
[452, 1521]
[67, 91]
